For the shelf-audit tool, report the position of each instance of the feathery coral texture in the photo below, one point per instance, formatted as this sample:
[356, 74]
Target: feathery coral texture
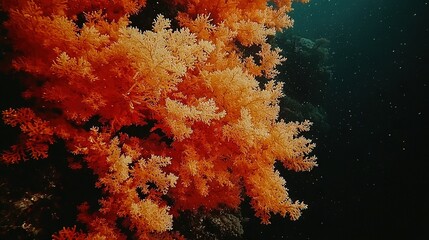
[195, 83]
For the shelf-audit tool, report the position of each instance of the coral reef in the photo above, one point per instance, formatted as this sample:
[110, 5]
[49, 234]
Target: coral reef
[308, 70]
[168, 119]
[309, 74]
[221, 223]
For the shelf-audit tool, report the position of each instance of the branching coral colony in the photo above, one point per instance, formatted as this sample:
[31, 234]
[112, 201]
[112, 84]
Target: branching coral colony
[194, 85]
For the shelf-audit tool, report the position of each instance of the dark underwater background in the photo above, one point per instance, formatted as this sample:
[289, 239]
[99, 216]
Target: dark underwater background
[359, 70]
[371, 137]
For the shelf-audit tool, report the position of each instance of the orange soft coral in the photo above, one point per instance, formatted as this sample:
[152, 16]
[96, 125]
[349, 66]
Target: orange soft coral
[36, 135]
[194, 86]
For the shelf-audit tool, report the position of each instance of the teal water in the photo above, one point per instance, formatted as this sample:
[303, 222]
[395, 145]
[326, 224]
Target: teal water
[370, 183]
